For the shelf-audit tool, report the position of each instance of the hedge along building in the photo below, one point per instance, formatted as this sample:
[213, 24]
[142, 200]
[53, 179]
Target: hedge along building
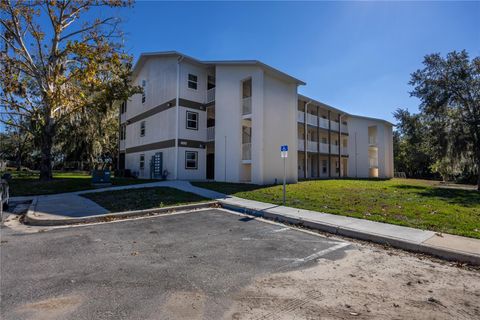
[226, 121]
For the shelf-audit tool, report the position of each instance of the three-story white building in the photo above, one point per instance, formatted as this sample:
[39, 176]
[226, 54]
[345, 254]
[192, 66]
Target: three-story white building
[226, 121]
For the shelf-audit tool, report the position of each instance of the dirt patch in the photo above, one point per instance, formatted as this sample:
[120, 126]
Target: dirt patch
[366, 284]
[53, 308]
[185, 305]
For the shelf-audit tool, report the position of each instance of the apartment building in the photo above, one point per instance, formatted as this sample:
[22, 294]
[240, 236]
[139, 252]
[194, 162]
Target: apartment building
[226, 121]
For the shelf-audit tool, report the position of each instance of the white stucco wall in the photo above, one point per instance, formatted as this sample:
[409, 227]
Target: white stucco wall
[358, 163]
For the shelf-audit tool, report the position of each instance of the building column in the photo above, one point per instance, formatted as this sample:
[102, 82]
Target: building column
[339, 146]
[329, 146]
[318, 142]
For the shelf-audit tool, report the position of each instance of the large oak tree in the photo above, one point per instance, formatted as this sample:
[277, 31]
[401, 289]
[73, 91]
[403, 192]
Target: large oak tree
[56, 60]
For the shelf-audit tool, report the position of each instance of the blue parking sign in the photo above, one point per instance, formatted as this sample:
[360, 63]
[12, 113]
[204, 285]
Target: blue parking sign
[284, 148]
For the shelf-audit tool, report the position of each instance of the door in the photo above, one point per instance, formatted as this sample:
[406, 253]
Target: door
[211, 166]
[156, 166]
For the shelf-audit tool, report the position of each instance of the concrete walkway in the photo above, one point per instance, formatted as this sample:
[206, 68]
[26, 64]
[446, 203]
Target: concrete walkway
[68, 205]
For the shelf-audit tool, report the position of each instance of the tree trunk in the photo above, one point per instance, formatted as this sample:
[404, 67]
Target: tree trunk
[46, 150]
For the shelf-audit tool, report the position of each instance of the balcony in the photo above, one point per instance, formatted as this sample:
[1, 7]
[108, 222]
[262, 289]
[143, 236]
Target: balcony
[373, 162]
[210, 133]
[344, 128]
[372, 141]
[210, 95]
[323, 123]
[247, 106]
[300, 116]
[312, 146]
[311, 119]
[301, 145]
[334, 149]
[344, 150]
[247, 151]
[334, 125]
[323, 147]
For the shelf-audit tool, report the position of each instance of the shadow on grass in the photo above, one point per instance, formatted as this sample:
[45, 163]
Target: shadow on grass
[465, 198]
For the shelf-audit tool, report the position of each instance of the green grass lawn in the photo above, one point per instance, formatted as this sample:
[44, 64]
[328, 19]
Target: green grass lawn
[144, 198]
[413, 203]
[27, 183]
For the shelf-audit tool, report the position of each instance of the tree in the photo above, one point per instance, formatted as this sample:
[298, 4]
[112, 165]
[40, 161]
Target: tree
[449, 91]
[411, 148]
[49, 74]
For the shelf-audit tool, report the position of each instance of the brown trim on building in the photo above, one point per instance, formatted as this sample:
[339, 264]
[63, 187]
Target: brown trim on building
[151, 112]
[191, 104]
[165, 106]
[152, 146]
[191, 144]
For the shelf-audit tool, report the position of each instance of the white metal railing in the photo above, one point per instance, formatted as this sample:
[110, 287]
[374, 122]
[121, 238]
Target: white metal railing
[247, 106]
[344, 128]
[301, 144]
[334, 149]
[323, 123]
[312, 146]
[373, 162]
[247, 151]
[372, 140]
[122, 144]
[324, 147]
[300, 116]
[210, 133]
[334, 125]
[344, 150]
[210, 95]
[312, 119]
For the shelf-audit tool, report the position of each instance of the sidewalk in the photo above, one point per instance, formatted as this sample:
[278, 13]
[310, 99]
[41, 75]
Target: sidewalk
[69, 205]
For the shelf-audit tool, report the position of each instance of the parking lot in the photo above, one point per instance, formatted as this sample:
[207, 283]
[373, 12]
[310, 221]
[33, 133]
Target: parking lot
[215, 264]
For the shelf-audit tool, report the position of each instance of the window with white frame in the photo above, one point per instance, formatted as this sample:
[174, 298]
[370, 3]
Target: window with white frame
[142, 162]
[192, 120]
[191, 160]
[144, 91]
[142, 129]
[192, 81]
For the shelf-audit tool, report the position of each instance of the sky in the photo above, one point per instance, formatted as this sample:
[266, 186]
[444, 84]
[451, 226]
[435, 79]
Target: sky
[356, 56]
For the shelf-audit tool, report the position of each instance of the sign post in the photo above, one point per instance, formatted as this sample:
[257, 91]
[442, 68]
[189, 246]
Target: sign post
[284, 155]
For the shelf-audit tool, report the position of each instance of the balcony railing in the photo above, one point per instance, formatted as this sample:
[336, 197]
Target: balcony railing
[323, 123]
[301, 144]
[323, 147]
[210, 95]
[344, 150]
[300, 116]
[373, 162]
[334, 149]
[122, 144]
[372, 140]
[210, 133]
[247, 106]
[247, 151]
[334, 125]
[344, 128]
[311, 119]
[312, 146]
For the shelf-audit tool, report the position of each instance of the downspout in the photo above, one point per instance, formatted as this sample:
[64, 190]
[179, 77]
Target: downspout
[177, 116]
[305, 142]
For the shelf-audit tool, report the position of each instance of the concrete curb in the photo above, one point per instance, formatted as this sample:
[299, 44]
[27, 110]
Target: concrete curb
[31, 219]
[439, 252]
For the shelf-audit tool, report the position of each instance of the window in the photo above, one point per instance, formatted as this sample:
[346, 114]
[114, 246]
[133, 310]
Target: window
[324, 140]
[210, 82]
[324, 166]
[123, 132]
[142, 161]
[247, 88]
[192, 120]
[123, 107]
[192, 81]
[144, 91]
[191, 160]
[337, 166]
[142, 129]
